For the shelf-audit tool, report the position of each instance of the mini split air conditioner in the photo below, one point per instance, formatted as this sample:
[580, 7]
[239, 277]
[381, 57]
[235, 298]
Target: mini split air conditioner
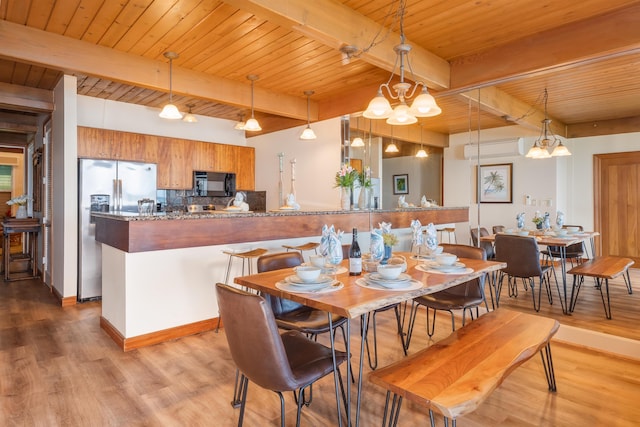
[495, 148]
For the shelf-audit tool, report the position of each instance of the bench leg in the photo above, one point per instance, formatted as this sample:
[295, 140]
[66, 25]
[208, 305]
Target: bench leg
[575, 290]
[547, 362]
[393, 411]
[607, 303]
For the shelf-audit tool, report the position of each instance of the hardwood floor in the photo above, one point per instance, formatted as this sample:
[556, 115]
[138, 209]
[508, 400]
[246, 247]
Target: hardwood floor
[58, 368]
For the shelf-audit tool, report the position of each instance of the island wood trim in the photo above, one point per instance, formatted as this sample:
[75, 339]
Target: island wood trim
[160, 234]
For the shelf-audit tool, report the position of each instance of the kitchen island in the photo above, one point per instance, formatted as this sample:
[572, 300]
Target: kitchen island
[159, 271]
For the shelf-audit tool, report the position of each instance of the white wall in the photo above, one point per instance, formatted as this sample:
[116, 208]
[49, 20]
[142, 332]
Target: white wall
[106, 114]
[64, 227]
[566, 182]
[317, 162]
[423, 174]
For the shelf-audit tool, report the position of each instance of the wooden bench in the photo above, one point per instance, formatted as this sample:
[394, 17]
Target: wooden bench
[601, 268]
[455, 375]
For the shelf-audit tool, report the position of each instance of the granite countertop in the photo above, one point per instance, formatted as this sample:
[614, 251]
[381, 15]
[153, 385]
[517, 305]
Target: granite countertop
[161, 216]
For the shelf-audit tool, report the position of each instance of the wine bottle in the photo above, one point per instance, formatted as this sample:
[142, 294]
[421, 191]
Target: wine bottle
[355, 256]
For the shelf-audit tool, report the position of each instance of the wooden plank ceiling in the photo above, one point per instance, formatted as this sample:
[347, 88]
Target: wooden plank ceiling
[587, 54]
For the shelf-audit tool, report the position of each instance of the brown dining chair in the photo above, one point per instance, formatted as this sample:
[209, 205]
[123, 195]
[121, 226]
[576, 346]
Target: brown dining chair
[280, 362]
[465, 297]
[573, 253]
[498, 229]
[522, 256]
[487, 246]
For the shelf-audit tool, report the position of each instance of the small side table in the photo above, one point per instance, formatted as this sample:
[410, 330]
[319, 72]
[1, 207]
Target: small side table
[30, 227]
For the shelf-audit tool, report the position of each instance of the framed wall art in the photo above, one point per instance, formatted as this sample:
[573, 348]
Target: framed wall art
[495, 183]
[401, 184]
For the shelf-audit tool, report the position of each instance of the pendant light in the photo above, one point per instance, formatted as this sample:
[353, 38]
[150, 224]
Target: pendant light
[252, 124]
[357, 141]
[189, 117]
[421, 153]
[170, 111]
[391, 148]
[308, 133]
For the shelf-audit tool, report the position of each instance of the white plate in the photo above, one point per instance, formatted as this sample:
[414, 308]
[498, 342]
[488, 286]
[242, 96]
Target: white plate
[402, 286]
[435, 265]
[296, 281]
[378, 277]
[427, 269]
[319, 289]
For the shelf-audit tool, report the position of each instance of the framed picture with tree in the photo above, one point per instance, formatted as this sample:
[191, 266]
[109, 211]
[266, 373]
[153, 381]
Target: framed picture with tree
[495, 183]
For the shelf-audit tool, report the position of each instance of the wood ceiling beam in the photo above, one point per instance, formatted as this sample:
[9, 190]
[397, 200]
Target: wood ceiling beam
[498, 103]
[23, 98]
[604, 127]
[601, 37]
[24, 44]
[18, 123]
[335, 25]
[14, 139]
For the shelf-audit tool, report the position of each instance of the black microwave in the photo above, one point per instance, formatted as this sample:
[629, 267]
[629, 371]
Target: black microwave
[214, 184]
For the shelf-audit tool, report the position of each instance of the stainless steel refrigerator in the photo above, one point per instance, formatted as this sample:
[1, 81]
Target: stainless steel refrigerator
[113, 186]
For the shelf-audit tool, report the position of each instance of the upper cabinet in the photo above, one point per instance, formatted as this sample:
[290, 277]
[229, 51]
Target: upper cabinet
[108, 144]
[176, 158]
[175, 171]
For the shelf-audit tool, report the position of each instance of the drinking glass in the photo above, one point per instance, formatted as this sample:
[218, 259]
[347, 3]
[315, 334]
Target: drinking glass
[334, 258]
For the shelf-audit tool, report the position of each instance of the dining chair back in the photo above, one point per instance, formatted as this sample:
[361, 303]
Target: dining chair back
[465, 296]
[487, 246]
[287, 362]
[522, 256]
[498, 229]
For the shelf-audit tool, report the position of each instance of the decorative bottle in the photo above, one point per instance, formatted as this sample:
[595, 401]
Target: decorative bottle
[355, 256]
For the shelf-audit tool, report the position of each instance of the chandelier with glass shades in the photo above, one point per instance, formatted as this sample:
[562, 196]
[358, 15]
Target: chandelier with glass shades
[547, 140]
[424, 105]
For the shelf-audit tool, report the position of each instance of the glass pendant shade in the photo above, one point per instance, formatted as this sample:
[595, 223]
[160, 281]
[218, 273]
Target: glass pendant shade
[357, 142]
[252, 125]
[391, 148]
[308, 133]
[171, 112]
[425, 105]
[240, 125]
[379, 108]
[421, 154]
[560, 150]
[401, 116]
[189, 117]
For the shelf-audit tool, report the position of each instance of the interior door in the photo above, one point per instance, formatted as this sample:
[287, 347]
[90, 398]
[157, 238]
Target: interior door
[617, 204]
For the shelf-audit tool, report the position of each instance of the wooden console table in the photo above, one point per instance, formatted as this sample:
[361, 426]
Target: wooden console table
[31, 228]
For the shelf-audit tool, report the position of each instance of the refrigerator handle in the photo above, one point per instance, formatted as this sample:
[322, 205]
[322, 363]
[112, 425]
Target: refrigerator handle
[116, 198]
[119, 194]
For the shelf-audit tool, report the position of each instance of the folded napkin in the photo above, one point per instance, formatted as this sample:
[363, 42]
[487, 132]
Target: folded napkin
[416, 233]
[559, 219]
[291, 202]
[331, 244]
[520, 219]
[431, 237]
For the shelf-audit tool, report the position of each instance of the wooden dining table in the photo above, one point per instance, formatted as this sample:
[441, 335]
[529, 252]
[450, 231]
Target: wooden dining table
[561, 243]
[353, 300]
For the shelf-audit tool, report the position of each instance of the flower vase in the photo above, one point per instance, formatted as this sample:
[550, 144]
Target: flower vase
[21, 212]
[387, 254]
[363, 200]
[345, 198]
[539, 226]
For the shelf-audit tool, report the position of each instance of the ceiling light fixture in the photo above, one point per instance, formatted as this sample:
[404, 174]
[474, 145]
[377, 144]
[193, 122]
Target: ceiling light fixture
[547, 139]
[170, 111]
[357, 141]
[424, 105]
[308, 133]
[391, 148]
[189, 117]
[421, 153]
[252, 124]
[240, 124]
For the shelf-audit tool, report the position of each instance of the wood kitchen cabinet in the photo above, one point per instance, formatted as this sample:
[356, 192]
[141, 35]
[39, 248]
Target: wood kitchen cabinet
[114, 145]
[204, 156]
[175, 164]
[245, 168]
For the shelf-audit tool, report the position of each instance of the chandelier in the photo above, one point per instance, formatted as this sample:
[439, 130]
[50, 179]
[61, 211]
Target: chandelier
[424, 105]
[547, 139]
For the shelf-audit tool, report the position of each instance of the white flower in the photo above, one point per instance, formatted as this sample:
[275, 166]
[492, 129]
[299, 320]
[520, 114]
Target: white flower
[20, 200]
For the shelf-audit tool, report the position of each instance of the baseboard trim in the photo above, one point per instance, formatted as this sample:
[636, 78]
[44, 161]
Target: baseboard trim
[605, 343]
[64, 301]
[158, 337]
